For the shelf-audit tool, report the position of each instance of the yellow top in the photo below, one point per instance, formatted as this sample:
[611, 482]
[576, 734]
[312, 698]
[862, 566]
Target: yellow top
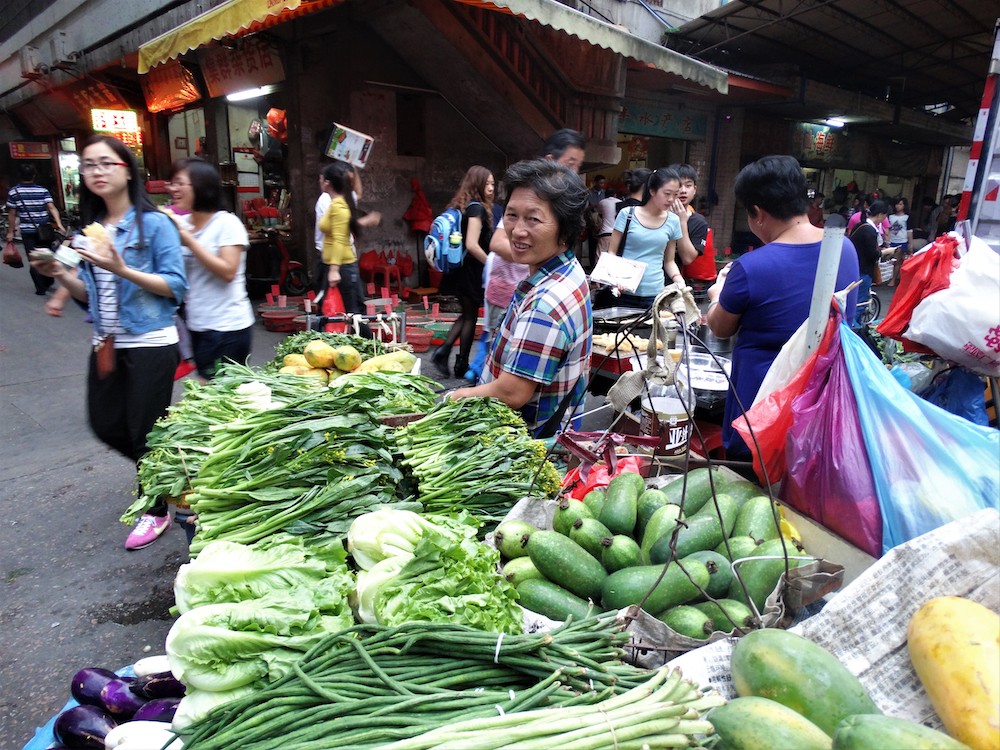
[336, 228]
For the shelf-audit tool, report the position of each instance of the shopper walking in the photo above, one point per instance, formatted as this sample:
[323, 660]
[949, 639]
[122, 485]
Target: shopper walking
[217, 310]
[474, 198]
[31, 204]
[340, 225]
[132, 279]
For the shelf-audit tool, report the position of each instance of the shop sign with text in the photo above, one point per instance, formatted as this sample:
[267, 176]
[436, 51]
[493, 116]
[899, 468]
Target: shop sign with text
[663, 121]
[255, 63]
[30, 150]
[820, 143]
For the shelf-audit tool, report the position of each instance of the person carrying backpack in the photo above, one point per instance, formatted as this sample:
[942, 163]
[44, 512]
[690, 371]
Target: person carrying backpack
[474, 198]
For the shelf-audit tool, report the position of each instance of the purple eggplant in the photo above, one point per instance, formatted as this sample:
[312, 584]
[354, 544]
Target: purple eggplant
[88, 683]
[159, 685]
[158, 709]
[83, 727]
[119, 701]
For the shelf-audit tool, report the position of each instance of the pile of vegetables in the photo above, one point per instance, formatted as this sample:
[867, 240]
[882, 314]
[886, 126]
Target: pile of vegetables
[310, 467]
[429, 568]
[442, 685]
[297, 342]
[668, 550]
[247, 613]
[475, 455]
[390, 393]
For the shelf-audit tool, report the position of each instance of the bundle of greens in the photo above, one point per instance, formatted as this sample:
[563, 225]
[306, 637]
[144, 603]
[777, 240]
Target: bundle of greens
[475, 454]
[389, 392]
[249, 612]
[311, 467]
[370, 686]
[296, 344]
[429, 568]
[180, 441]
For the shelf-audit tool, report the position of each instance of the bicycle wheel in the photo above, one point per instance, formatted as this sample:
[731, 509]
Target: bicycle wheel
[870, 310]
[875, 305]
[296, 281]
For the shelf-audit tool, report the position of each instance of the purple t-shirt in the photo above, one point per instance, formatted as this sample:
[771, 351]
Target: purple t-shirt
[771, 289]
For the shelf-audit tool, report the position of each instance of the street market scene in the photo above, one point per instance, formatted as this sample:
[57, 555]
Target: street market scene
[514, 374]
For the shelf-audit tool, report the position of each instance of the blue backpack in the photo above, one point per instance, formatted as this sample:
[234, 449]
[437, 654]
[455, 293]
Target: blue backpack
[444, 245]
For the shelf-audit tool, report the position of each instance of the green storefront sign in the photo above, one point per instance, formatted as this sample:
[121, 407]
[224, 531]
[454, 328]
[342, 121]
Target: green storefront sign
[662, 121]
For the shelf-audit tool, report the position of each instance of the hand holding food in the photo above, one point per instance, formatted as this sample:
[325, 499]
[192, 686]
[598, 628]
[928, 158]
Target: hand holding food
[100, 239]
[100, 250]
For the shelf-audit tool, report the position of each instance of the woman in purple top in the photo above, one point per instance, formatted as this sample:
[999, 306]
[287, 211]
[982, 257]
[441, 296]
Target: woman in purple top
[763, 297]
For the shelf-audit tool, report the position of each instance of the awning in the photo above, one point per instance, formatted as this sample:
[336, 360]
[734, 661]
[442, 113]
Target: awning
[229, 19]
[562, 18]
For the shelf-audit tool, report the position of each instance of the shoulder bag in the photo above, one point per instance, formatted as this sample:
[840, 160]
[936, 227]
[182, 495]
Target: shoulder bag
[46, 232]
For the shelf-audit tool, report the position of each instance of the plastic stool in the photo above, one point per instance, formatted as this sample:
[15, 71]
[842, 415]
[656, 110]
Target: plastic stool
[389, 273]
[711, 440]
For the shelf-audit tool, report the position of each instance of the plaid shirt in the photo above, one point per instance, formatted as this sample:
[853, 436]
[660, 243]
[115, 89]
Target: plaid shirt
[546, 337]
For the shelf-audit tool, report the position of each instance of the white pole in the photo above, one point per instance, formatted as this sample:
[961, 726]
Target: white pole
[826, 280]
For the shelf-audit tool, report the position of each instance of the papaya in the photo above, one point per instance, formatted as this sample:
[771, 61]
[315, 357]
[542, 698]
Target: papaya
[799, 674]
[753, 723]
[874, 732]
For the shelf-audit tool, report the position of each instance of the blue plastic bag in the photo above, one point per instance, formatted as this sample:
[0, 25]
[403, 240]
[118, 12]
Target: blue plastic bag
[930, 467]
[960, 391]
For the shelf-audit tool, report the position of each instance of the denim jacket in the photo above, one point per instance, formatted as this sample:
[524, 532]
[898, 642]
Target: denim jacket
[141, 311]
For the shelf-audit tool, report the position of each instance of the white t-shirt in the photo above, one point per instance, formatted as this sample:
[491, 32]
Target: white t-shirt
[322, 203]
[606, 207]
[213, 304]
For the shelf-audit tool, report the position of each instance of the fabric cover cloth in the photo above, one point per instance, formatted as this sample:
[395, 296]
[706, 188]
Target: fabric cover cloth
[419, 214]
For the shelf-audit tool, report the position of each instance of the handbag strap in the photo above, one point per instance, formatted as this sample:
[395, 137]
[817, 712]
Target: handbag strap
[628, 222]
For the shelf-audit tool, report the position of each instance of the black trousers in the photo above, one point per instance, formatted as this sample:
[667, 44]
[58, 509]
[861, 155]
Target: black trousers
[42, 283]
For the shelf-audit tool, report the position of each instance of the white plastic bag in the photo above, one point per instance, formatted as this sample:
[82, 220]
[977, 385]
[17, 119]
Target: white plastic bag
[962, 323]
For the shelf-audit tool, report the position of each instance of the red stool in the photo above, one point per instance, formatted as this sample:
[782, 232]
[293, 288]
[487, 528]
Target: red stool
[710, 443]
[389, 273]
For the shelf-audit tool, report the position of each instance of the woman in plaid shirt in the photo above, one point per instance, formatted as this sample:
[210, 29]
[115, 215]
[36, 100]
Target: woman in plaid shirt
[542, 352]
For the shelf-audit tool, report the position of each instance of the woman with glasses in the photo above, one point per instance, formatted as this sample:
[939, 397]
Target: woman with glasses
[217, 310]
[131, 277]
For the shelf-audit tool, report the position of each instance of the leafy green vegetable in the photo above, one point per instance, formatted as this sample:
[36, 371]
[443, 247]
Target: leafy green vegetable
[389, 392]
[475, 454]
[390, 532]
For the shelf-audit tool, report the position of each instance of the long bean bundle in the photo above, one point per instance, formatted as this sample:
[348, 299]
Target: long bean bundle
[310, 467]
[475, 455]
[368, 686]
[180, 441]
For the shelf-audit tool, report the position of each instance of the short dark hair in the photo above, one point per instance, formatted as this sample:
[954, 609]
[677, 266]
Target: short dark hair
[557, 143]
[686, 172]
[658, 179]
[774, 183]
[878, 207]
[904, 201]
[635, 179]
[26, 172]
[562, 188]
[206, 183]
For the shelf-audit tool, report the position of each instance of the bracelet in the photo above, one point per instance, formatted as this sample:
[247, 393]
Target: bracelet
[712, 302]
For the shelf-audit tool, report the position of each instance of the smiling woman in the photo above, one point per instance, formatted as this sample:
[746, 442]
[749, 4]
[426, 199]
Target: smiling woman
[540, 361]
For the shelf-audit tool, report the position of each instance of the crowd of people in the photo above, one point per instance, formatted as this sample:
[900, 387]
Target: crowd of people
[162, 286]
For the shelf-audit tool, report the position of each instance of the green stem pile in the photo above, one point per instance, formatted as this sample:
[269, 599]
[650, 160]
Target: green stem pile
[369, 686]
[475, 455]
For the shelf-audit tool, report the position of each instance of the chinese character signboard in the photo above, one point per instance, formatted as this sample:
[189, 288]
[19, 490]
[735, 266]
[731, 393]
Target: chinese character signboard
[169, 86]
[819, 143]
[664, 121]
[29, 150]
[114, 120]
[255, 63]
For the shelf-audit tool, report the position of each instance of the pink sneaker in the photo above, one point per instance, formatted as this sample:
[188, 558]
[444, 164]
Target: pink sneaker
[146, 531]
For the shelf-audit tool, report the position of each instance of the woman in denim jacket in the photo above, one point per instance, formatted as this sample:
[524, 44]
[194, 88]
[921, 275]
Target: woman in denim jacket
[132, 279]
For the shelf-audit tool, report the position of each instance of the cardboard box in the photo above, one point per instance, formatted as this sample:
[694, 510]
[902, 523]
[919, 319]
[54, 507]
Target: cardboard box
[349, 145]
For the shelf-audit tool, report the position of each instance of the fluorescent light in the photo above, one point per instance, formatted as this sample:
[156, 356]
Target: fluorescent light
[835, 122]
[240, 96]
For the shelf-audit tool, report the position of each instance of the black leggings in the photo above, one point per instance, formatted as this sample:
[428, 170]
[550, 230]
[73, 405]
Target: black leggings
[463, 330]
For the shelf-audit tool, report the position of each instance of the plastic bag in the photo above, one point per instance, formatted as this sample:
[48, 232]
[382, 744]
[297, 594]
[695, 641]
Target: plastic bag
[926, 272]
[598, 477]
[962, 393]
[764, 426]
[962, 323]
[930, 467]
[333, 304]
[827, 475]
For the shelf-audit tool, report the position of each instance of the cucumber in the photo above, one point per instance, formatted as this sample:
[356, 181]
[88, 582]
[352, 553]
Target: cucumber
[760, 577]
[511, 538]
[555, 602]
[520, 569]
[756, 519]
[799, 674]
[742, 490]
[621, 503]
[720, 571]
[705, 530]
[594, 500]
[866, 731]
[699, 488]
[619, 551]
[760, 724]
[739, 546]
[588, 533]
[661, 523]
[727, 614]
[649, 502]
[567, 511]
[564, 562]
[629, 585]
[687, 621]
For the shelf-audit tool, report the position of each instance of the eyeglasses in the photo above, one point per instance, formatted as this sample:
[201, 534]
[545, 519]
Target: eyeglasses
[172, 184]
[100, 167]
